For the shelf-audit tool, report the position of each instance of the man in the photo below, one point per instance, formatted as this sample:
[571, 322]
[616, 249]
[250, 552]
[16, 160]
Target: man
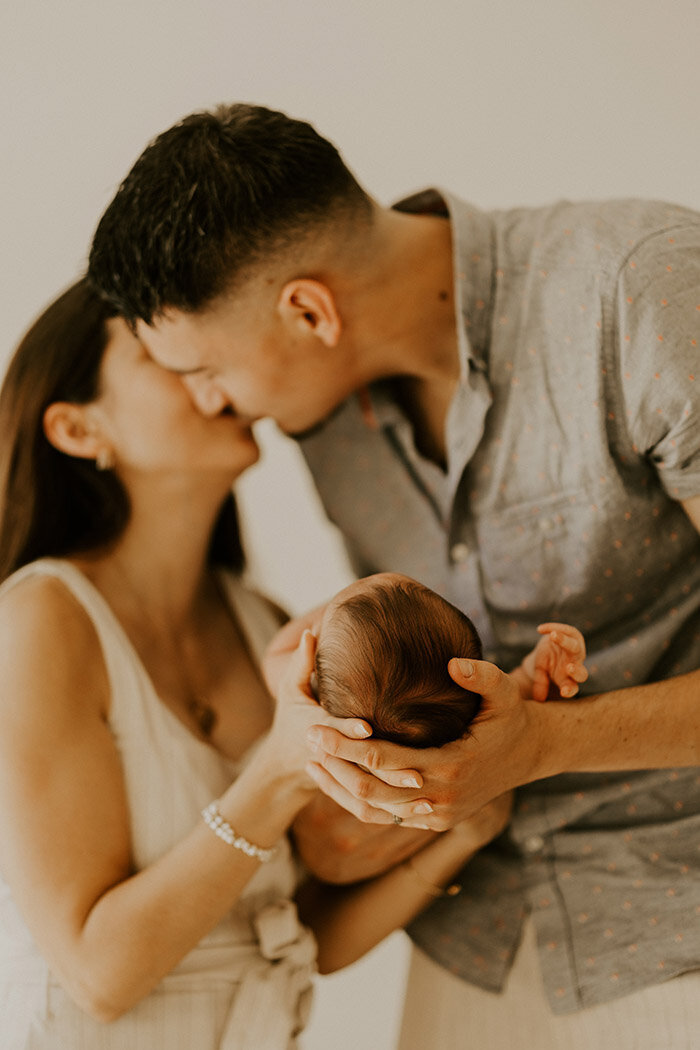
[503, 406]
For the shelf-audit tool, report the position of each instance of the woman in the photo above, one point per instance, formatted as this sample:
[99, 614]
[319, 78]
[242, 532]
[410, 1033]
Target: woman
[132, 914]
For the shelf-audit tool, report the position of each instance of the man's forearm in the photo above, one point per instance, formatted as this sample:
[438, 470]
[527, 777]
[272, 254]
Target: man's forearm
[652, 726]
[511, 742]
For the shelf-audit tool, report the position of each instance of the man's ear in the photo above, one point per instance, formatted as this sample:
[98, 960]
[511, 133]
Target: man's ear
[68, 428]
[310, 305]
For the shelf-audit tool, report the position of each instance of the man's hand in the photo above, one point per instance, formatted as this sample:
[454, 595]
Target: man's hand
[435, 788]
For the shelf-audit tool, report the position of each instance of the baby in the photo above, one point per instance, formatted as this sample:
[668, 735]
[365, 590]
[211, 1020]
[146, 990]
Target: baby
[383, 645]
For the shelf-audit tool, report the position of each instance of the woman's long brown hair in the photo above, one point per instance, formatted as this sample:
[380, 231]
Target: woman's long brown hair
[53, 504]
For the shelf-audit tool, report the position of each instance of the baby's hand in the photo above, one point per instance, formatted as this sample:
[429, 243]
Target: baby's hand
[557, 658]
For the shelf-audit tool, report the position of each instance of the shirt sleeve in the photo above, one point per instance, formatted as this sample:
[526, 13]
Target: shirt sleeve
[658, 309]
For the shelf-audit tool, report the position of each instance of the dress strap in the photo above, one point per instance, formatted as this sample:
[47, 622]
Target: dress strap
[123, 666]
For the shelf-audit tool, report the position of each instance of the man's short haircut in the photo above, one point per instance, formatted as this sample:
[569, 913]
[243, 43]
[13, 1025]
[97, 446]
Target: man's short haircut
[210, 198]
[383, 656]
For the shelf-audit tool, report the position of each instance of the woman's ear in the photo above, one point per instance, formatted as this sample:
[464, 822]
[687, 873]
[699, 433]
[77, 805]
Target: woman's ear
[68, 428]
[310, 305]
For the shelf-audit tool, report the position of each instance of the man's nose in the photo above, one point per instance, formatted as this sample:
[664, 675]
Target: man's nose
[207, 397]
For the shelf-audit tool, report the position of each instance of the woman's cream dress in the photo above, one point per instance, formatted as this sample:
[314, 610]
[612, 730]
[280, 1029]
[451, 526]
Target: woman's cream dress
[247, 984]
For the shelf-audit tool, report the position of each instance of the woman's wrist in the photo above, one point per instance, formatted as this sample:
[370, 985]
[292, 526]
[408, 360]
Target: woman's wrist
[265, 798]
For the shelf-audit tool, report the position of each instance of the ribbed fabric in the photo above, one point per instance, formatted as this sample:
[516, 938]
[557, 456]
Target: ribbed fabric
[246, 986]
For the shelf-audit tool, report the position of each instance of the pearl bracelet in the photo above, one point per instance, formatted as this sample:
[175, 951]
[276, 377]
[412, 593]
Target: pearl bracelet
[213, 819]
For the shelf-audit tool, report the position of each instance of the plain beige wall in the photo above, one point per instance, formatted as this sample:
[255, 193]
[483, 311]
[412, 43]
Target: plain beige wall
[504, 102]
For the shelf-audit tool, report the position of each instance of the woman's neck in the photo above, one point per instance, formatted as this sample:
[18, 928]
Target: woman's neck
[157, 568]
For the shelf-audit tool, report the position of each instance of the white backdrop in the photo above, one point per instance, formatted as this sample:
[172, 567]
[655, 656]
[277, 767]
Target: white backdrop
[506, 103]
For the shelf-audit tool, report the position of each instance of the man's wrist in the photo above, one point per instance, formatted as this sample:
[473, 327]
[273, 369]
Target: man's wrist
[550, 744]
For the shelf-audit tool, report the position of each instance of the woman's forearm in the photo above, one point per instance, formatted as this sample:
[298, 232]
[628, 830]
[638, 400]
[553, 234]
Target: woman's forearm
[142, 927]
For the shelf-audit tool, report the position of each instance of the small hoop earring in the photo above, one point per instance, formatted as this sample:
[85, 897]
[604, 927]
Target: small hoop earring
[104, 460]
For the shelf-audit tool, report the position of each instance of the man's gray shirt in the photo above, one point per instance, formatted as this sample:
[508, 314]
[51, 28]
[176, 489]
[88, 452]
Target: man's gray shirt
[572, 437]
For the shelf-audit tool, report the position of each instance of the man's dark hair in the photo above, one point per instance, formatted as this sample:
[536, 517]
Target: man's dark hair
[208, 199]
[383, 657]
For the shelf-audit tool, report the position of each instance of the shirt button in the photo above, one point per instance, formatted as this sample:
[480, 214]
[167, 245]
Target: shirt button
[460, 552]
[533, 844]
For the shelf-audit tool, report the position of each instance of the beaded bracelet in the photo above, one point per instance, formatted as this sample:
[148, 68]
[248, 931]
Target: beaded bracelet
[213, 819]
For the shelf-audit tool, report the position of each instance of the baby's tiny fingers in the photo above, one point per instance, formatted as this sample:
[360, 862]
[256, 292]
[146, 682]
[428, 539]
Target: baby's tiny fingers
[572, 644]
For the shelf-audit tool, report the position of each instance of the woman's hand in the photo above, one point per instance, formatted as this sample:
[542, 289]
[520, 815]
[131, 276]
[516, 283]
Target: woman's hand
[296, 711]
[276, 657]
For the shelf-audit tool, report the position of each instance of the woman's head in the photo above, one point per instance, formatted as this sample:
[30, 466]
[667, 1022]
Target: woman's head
[56, 501]
[51, 503]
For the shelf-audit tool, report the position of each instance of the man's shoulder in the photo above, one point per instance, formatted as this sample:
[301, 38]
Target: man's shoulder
[611, 227]
[578, 235]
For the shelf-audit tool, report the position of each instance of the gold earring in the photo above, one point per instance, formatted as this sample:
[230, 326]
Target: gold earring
[104, 460]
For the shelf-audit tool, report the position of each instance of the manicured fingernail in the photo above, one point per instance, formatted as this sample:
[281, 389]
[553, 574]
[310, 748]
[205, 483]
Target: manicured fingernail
[314, 735]
[423, 807]
[466, 667]
[361, 731]
[411, 782]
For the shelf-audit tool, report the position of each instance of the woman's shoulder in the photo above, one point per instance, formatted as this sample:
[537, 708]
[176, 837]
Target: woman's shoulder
[44, 627]
[39, 592]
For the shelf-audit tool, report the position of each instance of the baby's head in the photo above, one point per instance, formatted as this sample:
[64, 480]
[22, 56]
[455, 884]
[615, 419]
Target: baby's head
[383, 648]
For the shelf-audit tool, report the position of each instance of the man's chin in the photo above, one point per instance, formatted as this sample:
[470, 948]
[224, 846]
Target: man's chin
[300, 433]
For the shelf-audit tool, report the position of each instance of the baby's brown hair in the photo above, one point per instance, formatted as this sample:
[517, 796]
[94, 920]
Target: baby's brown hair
[382, 655]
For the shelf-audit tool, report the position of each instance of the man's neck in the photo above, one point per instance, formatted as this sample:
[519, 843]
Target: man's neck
[408, 322]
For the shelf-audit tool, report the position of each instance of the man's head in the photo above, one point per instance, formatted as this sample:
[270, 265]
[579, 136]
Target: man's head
[383, 648]
[216, 248]
[210, 201]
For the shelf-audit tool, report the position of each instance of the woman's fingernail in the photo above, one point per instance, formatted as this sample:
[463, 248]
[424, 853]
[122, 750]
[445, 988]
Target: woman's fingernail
[314, 735]
[423, 807]
[411, 782]
[311, 770]
[361, 731]
[466, 667]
